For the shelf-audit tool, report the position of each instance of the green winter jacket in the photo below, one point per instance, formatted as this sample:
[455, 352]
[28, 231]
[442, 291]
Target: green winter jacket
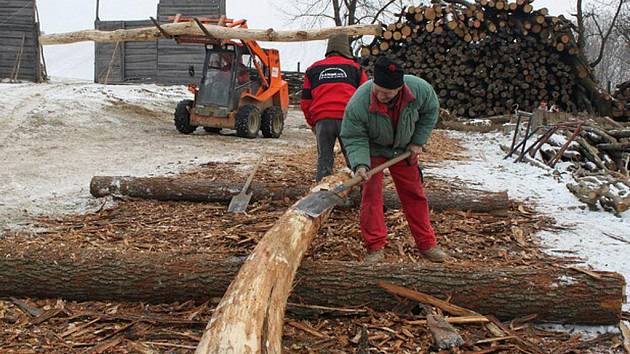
[366, 133]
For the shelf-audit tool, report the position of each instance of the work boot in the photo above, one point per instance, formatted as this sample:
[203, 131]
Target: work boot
[435, 254]
[374, 257]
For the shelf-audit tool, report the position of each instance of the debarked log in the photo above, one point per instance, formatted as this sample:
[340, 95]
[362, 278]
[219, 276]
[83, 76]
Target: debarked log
[222, 191]
[250, 316]
[555, 294]
[218, 32]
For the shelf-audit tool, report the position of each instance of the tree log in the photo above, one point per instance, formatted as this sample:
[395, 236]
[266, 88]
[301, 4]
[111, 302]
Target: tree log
[219, 32]
[250, 316]
[555, 294]
[221, 191]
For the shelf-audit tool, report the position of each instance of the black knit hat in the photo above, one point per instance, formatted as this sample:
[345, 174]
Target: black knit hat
[388, 73]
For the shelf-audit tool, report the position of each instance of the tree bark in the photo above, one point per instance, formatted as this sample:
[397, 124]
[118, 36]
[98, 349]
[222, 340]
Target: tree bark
[555, 294]
[219, 32]
[199, 190]
[250, 316]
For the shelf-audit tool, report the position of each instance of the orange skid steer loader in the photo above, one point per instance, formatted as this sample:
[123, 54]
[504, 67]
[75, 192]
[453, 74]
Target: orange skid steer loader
[241, 87]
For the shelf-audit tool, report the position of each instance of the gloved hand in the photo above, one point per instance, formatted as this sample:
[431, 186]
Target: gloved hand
[362, 171]
[415, 150]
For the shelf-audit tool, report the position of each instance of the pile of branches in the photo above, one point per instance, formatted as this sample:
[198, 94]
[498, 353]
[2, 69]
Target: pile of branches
[621, 105]
[485, 58]
[598, 149]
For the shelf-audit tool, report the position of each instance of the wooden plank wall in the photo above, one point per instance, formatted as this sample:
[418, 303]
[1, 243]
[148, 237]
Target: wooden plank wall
[19, 30]
[125, 62]
[174, 60]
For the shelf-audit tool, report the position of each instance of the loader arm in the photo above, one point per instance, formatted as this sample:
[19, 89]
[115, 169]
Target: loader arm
[255, 50]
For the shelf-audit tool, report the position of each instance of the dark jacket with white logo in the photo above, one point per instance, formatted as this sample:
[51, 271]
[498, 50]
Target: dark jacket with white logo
[328, 86]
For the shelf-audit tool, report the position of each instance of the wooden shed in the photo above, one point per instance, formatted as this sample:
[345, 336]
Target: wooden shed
[20, 50]
[125, 62]
[162, 61]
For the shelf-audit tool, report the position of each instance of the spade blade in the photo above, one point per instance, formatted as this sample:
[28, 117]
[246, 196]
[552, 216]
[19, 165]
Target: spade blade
[239, 203]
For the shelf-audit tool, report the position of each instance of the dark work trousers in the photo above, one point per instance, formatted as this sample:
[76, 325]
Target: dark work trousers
[327, 133]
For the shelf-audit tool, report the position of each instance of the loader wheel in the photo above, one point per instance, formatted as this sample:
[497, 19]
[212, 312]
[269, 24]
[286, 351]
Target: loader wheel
[182, 117]
[272, 122]
[248, 121]
[212, 130]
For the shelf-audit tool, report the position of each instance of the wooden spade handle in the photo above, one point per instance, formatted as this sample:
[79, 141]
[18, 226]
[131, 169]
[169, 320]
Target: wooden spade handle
[357, 179]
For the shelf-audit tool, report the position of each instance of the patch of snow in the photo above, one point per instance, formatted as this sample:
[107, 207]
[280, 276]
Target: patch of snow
[587, 332]
[55, 136]
[546, 190]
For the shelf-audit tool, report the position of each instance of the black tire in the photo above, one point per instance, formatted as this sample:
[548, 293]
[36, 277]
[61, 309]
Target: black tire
[272, 122]
[248, 121]
[182, 117]
[212, 130]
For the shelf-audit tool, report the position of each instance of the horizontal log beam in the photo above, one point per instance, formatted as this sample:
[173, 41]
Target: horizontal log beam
[221, 191]
[219, 32]
[555, 294]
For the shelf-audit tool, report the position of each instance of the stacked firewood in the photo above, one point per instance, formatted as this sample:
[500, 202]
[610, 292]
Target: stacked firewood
[295, 80]
[485, 58]
[621, 105]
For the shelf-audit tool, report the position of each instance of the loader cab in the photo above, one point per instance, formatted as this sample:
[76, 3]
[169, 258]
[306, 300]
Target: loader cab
[226, 75]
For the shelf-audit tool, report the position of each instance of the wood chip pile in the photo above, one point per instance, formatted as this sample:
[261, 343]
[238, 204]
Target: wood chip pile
[58, 326]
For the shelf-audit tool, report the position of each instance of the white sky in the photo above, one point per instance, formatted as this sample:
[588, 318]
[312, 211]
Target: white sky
[77, 60]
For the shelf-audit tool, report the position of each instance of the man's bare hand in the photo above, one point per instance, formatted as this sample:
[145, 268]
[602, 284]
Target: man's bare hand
[313, 130]
[415, 150]
[362, 171]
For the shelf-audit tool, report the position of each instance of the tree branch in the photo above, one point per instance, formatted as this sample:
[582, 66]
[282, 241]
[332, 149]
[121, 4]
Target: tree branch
[381, 10]
[607, 35]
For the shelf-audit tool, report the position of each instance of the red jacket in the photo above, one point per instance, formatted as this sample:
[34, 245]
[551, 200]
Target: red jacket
[328, 86]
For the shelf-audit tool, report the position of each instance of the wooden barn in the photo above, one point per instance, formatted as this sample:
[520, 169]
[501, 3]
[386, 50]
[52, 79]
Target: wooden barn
[20, 50]
[162, 61]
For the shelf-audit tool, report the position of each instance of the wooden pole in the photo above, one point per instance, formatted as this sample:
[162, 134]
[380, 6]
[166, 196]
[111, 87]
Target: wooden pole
[219, 32]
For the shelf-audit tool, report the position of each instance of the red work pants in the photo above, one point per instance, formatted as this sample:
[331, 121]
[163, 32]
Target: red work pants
[406, 177]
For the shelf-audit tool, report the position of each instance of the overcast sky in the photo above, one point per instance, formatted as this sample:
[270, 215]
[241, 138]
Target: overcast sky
[77, 60]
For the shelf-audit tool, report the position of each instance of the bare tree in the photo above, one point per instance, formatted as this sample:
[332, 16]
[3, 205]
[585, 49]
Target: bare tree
[343, 12]
[602, 34]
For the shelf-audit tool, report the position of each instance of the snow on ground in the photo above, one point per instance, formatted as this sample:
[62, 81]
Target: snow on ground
[587, 238]
[54, 137]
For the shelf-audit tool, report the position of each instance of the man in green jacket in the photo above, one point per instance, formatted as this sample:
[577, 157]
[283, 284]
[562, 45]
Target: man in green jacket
[385, 117]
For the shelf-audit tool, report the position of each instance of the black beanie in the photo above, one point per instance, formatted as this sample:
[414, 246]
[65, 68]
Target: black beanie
[388, 73]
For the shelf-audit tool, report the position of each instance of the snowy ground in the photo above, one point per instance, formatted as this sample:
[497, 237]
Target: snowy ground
[587, 237]
[54, 137]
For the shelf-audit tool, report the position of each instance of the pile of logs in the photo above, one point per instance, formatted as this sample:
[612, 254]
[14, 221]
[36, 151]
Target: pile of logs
[621, 105]
[485, 58]
[295, 80]
[599, 150]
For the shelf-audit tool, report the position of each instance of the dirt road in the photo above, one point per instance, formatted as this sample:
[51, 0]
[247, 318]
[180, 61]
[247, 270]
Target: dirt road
[55, 137]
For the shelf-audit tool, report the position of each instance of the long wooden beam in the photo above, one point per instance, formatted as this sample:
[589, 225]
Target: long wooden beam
[219, 32]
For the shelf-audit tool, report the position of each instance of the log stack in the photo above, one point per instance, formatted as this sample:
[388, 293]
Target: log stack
[295, 80]
[621, 105]
[485, 58]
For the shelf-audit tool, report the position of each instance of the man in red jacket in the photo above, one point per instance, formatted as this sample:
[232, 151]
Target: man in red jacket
[328, 86]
